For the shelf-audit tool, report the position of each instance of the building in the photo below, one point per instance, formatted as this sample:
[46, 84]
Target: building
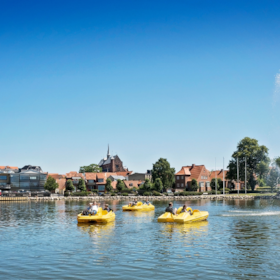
[74, 177]
[112, 164]
[30, 178]
[184, 177]
[61, 180]
[140, 176]
[230, 184]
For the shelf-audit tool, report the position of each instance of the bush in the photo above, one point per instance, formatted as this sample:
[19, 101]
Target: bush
[113, 194]
[146, 193]
[94, 191]
[165, 193]
[155, 193]
[85, 193]
[125, 194]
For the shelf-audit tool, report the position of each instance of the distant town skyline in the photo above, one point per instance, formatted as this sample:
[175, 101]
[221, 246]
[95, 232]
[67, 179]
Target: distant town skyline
[184, 80]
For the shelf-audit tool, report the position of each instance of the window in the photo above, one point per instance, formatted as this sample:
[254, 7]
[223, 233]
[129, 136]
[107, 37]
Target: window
[101, 180]
[178, 185]
[182, 185]
[34, 178]
[90, 181]
[117, 166]
[131, 184]
[3, 177]
[43, 177]
[101, 188]
[24, 178]
[182, 177]
[178, 177]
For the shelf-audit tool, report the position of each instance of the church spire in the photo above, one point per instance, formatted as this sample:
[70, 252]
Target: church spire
[108, 153]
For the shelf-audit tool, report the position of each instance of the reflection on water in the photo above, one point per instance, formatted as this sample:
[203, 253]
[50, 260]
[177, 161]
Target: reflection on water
[239, 241]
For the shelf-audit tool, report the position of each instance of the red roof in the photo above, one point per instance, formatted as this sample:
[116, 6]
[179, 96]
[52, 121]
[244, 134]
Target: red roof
[74, 174]
[196, 171]
[219, 174]
[124, 173]
[56, 175]
[8, 167]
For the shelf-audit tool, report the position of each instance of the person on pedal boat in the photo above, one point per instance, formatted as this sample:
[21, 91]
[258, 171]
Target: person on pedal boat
[147, 202]
[94, 208]
[134, 202]
[86, 211]
[170, 209]
[107, 208]
[184, 209]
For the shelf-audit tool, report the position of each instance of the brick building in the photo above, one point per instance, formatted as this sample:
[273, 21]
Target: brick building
[184, 177]
[230, 184]
[112, 164]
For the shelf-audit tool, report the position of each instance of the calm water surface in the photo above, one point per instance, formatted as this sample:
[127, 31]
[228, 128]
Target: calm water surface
[42, 240]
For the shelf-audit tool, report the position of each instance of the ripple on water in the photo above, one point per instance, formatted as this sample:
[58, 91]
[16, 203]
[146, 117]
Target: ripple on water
[43, 241]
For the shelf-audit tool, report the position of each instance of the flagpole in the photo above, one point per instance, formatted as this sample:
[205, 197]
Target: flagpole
[215, 177]
[237, 177]
[245, 174]
[223, 176]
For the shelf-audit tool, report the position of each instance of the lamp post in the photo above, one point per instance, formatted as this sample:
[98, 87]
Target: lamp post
[237, 177]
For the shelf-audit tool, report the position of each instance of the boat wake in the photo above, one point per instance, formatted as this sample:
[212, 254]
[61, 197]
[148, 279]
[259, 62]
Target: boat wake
[250, 213]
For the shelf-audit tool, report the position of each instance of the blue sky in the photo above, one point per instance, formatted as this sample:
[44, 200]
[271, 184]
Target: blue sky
[182, 80]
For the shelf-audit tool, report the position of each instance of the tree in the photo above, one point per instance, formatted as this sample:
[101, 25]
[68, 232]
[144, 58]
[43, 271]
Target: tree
[163, 171]
[69, 186]
[219, 184]
[277, 161]
[272, 178]
[194, 185]
[82, 185]
[263, 168]
[90, 168]
[255, 154]
[147, 186]
[51, 185]
[108, 186]
[158, 186]
[120, 185]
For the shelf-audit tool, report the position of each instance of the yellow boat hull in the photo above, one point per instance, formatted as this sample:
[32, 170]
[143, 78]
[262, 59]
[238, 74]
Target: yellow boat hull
[139, 207]
[102, 216]
[197, 216]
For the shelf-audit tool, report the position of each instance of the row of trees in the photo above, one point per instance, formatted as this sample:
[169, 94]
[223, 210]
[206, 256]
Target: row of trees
[260, 169]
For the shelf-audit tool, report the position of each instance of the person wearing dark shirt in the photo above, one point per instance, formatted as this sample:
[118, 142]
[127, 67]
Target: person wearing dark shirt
[107, 208]
[170, 209]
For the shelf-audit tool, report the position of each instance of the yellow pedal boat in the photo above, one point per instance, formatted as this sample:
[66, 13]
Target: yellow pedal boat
[185, 217]
[139, 207]
[102, 216]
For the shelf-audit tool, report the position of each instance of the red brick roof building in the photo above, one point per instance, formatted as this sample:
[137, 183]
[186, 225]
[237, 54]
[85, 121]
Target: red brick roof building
[184, 177]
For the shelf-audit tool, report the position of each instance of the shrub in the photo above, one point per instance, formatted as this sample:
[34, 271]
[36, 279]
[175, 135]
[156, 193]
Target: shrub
[165, 193]
[113, 194]
[94, 191]
[125, 194]
[155, 193]
[85, 193]
[146, 193]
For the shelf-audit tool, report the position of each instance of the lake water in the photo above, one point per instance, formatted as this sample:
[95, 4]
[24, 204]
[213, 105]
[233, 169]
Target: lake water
[42, 240]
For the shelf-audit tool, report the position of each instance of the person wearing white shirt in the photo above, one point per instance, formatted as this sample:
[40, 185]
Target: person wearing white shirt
[94, 208]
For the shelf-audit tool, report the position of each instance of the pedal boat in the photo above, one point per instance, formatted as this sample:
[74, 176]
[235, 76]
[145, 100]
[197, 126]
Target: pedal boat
[102, 216]
[185, 217]
[139, 207]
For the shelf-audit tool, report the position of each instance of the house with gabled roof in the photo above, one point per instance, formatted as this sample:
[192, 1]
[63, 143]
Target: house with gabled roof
[184, 177]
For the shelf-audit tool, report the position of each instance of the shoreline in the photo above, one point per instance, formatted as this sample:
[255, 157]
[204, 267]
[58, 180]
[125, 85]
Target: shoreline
[151, 198]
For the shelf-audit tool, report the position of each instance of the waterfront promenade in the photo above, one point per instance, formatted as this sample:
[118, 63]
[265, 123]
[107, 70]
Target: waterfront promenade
[142, 198]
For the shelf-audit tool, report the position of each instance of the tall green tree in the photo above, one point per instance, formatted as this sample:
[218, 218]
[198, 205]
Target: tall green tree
[108, 186]
[147, 186]
[69, 186]
[263, 169]
[254, 154]
[158, 186]
[51, 185]
[277, 161]
[194, 185]
[272, 178]
[90, 168]
[219, 184]
[120, 185]
[82, 185]
[163, 171]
